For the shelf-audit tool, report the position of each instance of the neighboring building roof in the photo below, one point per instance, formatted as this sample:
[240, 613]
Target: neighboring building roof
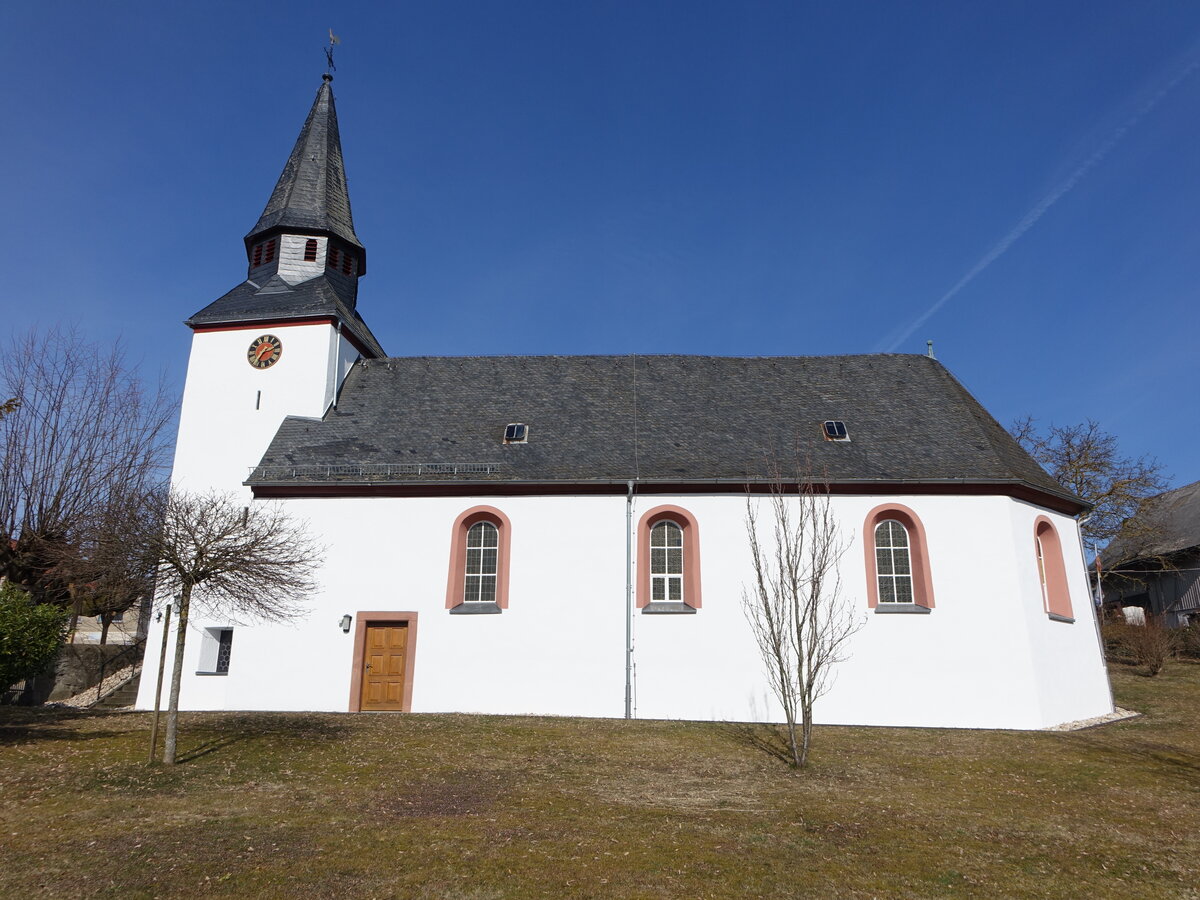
[1164, 524]
[664, 419]
[311, 194]
[275, 300]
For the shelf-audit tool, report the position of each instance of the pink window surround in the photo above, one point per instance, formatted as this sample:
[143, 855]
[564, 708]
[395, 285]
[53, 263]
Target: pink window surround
[458, 553]
[918, 549]
[1056, 594]
[691, 553]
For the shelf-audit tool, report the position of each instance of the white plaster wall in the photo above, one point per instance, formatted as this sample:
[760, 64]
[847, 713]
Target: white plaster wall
[987, 656]
[225, 423]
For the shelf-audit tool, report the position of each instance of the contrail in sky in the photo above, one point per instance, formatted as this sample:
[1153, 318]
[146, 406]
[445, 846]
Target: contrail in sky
[1043, 206]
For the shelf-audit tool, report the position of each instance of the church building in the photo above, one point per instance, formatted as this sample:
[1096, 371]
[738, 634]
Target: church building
[567, 535]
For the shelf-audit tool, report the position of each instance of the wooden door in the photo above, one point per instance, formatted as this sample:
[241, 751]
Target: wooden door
[384, 666]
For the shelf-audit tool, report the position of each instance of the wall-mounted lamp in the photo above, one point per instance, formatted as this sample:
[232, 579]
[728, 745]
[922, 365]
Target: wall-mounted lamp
[345, 623]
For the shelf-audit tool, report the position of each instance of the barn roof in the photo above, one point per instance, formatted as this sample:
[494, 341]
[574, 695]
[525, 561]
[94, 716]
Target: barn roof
[665, 420]
[1166, 524]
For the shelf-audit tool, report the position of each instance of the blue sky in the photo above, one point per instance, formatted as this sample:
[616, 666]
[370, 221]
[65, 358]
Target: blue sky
[1018, 182]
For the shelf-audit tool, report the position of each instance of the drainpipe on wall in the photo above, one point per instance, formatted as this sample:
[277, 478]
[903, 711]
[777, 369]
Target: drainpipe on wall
[629, 602]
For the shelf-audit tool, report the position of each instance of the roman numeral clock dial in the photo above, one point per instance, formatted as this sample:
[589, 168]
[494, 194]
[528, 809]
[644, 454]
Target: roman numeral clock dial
[265, 351]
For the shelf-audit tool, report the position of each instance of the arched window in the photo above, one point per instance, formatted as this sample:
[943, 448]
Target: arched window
[893, 562]
[310, 250]
[1052, 571]
[668, 561]
[483, 549]
[897, 559]
[479, 554]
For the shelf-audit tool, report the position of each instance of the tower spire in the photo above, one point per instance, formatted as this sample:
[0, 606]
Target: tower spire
[311, 195]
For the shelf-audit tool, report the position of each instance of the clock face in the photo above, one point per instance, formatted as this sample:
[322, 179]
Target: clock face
[265, 351]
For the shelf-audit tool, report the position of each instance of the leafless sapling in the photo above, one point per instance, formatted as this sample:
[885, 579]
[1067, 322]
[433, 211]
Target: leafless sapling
[795, 606]
[244, 562]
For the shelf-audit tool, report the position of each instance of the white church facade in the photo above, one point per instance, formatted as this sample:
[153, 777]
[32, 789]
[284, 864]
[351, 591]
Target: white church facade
[566, 535]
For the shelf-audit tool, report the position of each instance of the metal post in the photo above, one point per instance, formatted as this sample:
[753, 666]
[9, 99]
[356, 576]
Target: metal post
[629, 603]
[162, 661]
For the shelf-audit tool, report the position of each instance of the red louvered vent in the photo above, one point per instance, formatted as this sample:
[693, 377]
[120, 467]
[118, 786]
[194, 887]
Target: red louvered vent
[257, 257]
[310, 250]
[347, 263]
[270, 251]
[333, 258]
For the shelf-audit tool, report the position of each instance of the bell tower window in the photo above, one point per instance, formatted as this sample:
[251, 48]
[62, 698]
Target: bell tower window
[310, 250]
[333, 258]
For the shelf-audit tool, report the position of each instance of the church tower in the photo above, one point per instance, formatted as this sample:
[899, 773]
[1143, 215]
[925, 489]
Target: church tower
[280, 343]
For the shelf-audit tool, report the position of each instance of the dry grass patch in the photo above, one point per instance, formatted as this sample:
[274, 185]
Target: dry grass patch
[303, 805]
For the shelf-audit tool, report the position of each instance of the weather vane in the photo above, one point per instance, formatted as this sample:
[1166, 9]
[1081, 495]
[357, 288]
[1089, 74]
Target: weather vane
[334, 40]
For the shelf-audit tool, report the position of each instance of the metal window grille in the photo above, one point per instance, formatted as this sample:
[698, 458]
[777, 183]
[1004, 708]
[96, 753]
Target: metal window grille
[893, 562]
[224, 648]
[666, 563]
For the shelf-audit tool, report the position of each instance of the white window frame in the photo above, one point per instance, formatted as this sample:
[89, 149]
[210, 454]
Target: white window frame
[893, 578]
[474, 593]
[666, 578]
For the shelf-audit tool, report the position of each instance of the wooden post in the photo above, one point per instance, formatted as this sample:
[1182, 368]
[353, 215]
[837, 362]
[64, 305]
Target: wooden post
[162, 661]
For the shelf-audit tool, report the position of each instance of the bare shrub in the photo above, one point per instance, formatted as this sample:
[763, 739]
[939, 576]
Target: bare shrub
[1147, 645]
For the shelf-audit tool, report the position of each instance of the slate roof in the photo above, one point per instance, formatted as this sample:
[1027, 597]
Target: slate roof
[311, 193]
[667, 419]
[275, 299]
[1171, 523]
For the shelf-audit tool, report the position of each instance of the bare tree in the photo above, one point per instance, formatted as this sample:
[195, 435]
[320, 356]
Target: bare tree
[241, 561]
[110, 564]
[1087, 460]
[800, 619]
[81, 427]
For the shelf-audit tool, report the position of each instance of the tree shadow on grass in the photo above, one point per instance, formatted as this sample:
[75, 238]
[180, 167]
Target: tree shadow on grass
[765, 737]
[224, 730]
[210, 746]
[1173, 758]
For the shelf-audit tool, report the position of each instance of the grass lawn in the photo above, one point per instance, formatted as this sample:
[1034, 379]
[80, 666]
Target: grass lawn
[431, 806]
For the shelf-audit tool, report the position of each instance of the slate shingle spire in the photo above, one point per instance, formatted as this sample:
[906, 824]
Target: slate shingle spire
[311, 195]
[304, 259]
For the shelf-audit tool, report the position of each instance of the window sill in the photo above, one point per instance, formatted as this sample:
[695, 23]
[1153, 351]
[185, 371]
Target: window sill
[222, 674]
[1055, 617]
[893, 608]
[475, 609]
[668, 608]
